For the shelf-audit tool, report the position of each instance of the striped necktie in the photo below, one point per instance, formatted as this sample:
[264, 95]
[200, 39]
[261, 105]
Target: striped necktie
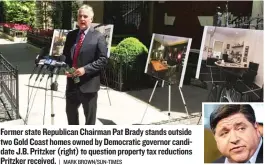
[77, 48]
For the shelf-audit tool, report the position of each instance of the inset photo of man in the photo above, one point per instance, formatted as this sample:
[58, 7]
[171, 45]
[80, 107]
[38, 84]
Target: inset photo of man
[233, 133]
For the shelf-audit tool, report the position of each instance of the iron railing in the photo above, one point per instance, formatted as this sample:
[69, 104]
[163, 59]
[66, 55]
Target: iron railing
[38, 40]
[9, 91]
[127, 76]
[247, 23]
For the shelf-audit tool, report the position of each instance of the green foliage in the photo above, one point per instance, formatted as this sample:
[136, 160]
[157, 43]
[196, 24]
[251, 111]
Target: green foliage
[20, 12]
[75, 7]
[57, 15]
[112, 49]
[128, 49]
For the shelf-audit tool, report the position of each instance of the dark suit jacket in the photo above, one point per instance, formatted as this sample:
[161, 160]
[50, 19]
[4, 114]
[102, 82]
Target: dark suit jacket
[258, 160]
[92, 56]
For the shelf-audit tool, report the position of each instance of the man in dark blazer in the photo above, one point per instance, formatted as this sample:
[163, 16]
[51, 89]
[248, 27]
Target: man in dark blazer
[259, 158]
[236, 133]
[86, 50]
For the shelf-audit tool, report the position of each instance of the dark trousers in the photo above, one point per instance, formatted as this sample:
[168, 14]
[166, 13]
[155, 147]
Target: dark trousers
[89, 102]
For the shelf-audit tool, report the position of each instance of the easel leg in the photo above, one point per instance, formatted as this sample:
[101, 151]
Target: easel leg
[199, 119]
[52, 110]
[107, 86]
[150, 100]
[185, 106]
[163, 83]
[169, 99]
[153, 92]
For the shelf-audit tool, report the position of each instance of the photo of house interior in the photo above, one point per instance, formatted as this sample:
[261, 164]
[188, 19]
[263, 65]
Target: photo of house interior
[166, 58]
[231, 63]
[58, 41]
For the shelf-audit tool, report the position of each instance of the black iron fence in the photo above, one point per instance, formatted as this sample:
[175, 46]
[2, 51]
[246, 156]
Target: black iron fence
[38, 40]
[126, 76]
[247, 22]
[9, 95]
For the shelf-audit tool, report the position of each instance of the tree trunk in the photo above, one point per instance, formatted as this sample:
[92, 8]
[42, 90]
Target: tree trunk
[67, 15]
[2, 12]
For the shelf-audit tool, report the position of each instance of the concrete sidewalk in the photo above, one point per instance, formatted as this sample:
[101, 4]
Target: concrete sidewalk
[126, 107]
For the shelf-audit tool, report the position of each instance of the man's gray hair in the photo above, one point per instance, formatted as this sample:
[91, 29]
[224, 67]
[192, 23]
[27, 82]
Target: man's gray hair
[88, 8]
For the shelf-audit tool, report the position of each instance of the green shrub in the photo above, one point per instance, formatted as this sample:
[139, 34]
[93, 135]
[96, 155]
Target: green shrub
[22, 12]
[112, 49]
[128, 49]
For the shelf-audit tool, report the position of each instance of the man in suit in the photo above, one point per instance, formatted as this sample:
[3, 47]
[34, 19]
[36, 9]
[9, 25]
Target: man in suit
[237, 135]
[85, 50]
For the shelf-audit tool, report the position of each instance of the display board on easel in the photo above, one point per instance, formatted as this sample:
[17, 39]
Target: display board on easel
[236, 57]
[167, 58]
[167, 61]
[239, 47]
[58, 41]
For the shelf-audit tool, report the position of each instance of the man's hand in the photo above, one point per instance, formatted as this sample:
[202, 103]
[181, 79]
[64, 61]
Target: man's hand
[79, 72]
[68, 74]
